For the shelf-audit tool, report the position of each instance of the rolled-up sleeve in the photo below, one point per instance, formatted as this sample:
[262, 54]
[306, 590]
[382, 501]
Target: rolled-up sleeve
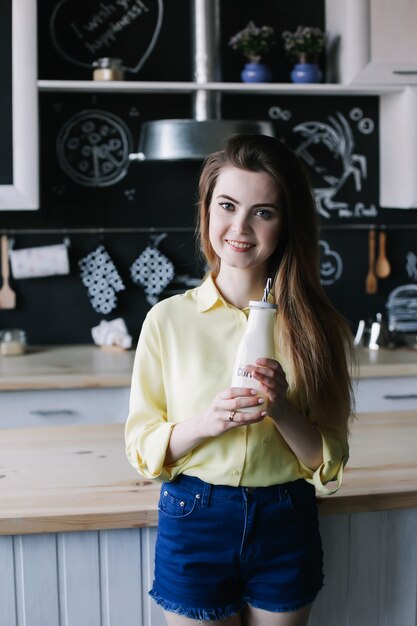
[147, 430]
[335, 457]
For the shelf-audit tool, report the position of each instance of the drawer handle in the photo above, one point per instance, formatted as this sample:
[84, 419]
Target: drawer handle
[48, 412]
[405, 72]
[405, 396]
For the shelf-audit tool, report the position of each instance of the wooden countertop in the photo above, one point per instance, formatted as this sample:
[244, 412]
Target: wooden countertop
[63, 367]
[385, 363]
[69, 478]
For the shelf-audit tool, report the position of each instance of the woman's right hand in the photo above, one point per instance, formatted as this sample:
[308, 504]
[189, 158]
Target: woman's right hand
[227, 404]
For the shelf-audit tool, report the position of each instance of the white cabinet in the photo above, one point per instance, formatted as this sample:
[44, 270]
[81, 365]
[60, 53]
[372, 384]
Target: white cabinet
[373, 42]
[393, 43]
[51, 407]
[386, 394]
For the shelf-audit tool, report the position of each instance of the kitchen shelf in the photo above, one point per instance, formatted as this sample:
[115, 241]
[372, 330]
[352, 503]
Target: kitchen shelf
[318, 89]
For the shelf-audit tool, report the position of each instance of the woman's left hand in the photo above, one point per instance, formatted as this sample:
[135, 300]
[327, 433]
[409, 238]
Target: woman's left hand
[272, 382]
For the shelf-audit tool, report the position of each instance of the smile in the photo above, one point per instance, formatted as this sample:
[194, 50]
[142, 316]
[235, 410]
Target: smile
[239, 244]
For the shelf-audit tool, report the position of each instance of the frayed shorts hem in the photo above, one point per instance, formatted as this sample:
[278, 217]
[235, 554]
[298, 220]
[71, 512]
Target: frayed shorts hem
[281, 608]
[210, 614]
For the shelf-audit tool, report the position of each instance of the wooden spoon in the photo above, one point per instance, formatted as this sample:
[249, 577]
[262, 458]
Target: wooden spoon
[7, 295]
[382, 267]
[371, 284]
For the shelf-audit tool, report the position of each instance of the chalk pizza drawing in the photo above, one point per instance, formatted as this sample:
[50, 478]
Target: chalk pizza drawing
[411, 266]
[335, 137]
[99, 29]
[331, 265]
[93, 148]
[402, 309]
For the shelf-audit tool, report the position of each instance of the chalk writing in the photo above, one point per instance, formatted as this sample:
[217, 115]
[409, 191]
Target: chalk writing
[116, 28]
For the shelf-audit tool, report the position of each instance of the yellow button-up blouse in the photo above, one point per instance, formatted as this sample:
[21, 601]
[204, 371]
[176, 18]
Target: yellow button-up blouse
[183, 359]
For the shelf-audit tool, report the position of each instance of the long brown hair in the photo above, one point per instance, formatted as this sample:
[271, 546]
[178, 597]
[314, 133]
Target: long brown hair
[311, 334]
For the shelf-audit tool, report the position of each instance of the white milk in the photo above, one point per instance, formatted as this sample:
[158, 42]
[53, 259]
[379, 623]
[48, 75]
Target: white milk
[257, 342]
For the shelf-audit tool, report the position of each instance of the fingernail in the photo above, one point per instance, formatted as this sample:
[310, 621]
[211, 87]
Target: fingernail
[253, 392]
[263, 414]
[260, 401]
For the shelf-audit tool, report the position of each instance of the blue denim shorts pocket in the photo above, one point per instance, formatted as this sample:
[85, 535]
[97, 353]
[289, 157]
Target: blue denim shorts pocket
[175, 502]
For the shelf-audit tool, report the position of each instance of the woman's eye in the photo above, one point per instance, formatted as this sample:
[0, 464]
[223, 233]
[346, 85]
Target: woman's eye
[227, 206]
[264, 213]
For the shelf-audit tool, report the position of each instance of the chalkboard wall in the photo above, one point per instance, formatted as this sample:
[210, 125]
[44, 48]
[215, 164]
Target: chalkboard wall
[335, 136]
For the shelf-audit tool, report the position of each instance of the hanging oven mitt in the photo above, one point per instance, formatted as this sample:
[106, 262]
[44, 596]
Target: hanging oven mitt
[100, 276]
[152, 270]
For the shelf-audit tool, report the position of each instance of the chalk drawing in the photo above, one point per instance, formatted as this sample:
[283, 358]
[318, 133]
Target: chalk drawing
[331, 265]
[337, 138]
[411, 267]
[402, 309]
[276, 113]
[93, 148]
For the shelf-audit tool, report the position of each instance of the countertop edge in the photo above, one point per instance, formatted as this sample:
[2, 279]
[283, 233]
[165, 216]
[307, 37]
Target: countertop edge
[58, 367]
[140, 518]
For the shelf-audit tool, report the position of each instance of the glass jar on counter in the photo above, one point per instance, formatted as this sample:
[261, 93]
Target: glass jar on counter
[12, 342]
[108, 68]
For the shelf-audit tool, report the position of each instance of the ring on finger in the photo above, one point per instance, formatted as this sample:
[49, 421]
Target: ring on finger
[232, 416]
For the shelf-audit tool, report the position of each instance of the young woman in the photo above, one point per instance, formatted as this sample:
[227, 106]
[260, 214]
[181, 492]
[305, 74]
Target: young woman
[238, 539]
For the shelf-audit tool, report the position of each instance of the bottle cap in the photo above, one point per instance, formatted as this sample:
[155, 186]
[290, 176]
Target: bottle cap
[260, 304]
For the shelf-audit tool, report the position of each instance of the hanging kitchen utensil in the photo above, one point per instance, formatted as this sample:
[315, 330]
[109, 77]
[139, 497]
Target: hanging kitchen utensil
[100, 276]
[7, 295]
[152, 270]
[382, 267]
[40, 261]
[371, 284]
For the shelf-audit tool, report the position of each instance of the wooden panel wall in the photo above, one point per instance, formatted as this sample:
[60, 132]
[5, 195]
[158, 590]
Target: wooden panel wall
[102, 578]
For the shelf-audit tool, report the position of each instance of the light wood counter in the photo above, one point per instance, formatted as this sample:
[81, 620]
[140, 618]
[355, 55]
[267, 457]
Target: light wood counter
[88, 366]
[65, 367]
[385, 363]
[69, 478]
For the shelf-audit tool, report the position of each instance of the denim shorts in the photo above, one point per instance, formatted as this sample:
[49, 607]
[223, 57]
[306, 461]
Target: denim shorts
[219, 548]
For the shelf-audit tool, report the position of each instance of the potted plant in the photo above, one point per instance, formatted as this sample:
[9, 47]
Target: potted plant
[304, 45]
[254, 42]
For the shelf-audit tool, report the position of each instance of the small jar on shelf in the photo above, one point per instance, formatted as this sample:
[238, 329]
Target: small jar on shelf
[108, 68]
[12, 342]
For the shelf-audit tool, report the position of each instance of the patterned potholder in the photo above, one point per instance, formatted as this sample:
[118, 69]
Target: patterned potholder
[153, 271]
[100, 276]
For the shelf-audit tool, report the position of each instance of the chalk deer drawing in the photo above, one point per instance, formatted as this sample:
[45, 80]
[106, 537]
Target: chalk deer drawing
[338, 139]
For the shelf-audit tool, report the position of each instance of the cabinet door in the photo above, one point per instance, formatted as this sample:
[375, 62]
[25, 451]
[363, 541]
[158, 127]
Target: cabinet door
[392, 42]
[20, 409]
[386, 394]
[393, 31]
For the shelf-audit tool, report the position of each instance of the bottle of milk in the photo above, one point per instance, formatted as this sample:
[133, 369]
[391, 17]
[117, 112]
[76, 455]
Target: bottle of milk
[257, 342]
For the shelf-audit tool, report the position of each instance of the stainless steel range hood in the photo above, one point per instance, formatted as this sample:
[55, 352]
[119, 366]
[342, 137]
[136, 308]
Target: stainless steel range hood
[194, 139]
